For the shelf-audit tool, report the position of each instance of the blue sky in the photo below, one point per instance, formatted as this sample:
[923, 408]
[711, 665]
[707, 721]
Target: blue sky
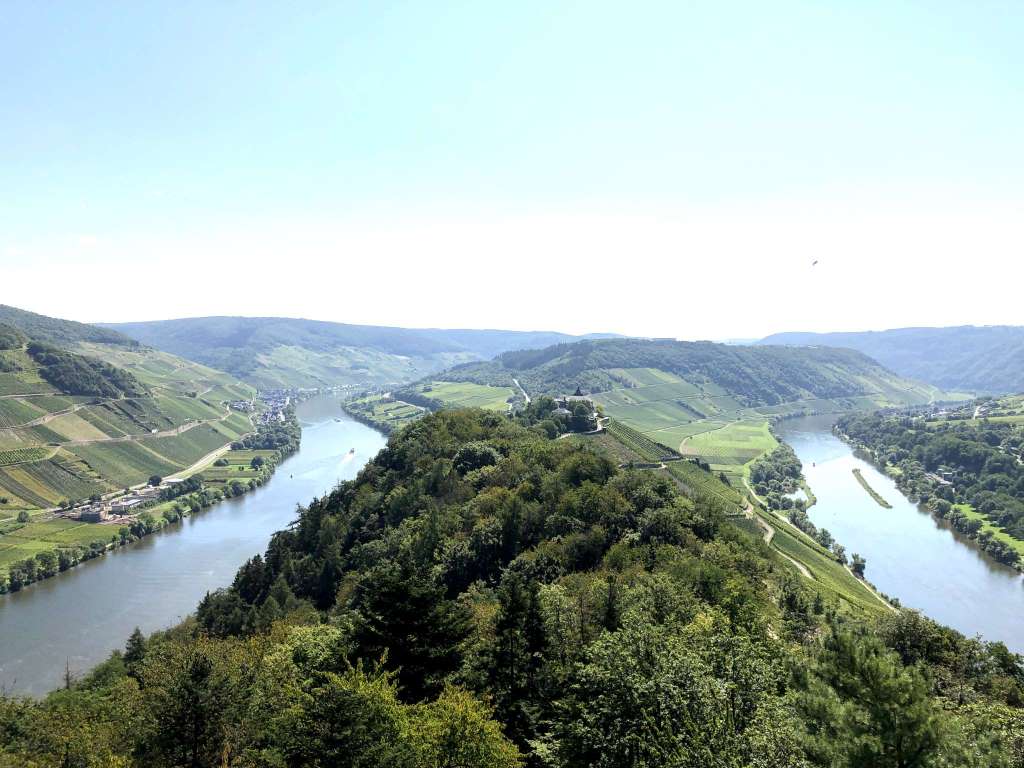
[432, 163]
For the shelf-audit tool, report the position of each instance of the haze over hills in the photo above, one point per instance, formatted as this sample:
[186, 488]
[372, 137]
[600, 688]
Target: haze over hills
[981, 359]
[289, 352]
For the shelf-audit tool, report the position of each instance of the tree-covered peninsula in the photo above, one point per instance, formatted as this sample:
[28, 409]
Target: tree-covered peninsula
[484, 595]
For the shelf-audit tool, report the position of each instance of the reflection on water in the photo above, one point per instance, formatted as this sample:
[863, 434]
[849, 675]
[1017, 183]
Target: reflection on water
[910, 554]
[78, 617]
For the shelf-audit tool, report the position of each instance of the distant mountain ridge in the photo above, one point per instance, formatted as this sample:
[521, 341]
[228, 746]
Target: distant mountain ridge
[980, 359]
[273, 351]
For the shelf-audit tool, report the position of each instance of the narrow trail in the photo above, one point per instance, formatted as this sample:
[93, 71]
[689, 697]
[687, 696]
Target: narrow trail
[48, 417]
[769, 534]
[526, 396]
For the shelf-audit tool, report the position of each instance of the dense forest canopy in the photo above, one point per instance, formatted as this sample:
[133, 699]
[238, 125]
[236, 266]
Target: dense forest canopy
[11, 337]
[754, 375]
[482, 595]
[967, 358]
[79, 375]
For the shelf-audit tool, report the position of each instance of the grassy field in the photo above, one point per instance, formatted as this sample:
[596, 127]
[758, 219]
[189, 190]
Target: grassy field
[238, 467]
[45, 536]
[987, 525]
[696, 418]
[732, 447]
[468, 395]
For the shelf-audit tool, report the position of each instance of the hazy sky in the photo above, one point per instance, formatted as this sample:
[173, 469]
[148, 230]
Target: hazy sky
[652, 168]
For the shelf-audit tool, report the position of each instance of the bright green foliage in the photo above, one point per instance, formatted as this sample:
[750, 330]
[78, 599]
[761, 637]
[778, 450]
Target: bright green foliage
[533, 605]
[864, 709]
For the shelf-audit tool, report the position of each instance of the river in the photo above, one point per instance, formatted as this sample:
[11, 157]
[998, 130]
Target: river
[910, 554]
[80, 616]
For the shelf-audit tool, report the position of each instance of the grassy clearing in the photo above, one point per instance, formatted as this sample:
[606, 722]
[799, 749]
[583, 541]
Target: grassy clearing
[469, 395]
[987, 525]
[238, 467]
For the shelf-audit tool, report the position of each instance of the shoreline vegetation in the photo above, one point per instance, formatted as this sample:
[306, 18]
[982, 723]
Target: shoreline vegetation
[968, 482]
[438, 603]
[247, 464]
[879, 499]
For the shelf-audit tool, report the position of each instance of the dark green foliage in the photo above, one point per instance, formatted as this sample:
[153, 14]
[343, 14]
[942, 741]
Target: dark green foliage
[60, 332]
[11, 337]
[607, 620]
[79, 375]
[406, 620]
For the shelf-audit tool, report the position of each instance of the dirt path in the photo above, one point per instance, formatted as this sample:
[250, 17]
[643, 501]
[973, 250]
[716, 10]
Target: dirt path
[516, 382]
[46, 418]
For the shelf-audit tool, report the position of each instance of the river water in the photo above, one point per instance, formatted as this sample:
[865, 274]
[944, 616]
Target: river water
[80, 616]
[910, 554]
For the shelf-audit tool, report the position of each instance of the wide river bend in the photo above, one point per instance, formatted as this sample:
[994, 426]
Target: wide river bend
[910, 554]
[80, 616]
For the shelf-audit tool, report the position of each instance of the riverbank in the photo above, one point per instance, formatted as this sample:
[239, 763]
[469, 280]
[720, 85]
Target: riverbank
[871, 491]
[81, 615]
[65, 541]
[911, 555]
[988, 537]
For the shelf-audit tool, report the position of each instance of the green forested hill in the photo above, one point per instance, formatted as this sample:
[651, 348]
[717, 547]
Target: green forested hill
[987, 359]
[61, 333]
[288, 352]
[483, 596]
[754, 376]
[708, 401]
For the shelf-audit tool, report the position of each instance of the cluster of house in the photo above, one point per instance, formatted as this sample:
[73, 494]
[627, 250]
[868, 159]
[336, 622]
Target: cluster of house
[121, 506]
[942, 476]
[245, 406]
[277, 402]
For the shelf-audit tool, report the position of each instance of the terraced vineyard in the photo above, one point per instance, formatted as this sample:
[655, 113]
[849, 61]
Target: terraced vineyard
[23, 455]
[56, 447]
[702, 484]
[639, 442]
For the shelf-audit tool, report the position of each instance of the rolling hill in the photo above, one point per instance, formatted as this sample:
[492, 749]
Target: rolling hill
[705, 400]
[86, 411]
[272, 352]
[980, 359]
